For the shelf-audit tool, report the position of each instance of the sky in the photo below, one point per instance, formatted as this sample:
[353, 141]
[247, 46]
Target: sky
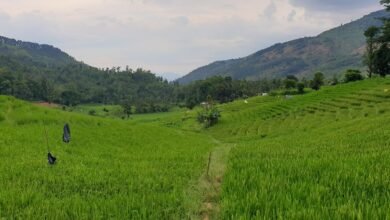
[171, 36]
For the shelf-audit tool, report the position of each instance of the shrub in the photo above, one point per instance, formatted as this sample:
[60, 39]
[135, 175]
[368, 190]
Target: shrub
[334, 81]
[301, 88]
[290, 84]
[352, 75]
[209, 116]
[318, 81]
[92, 112]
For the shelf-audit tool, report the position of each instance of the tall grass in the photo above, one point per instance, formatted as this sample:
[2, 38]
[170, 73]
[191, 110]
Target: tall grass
[111, 169]
[324, 155]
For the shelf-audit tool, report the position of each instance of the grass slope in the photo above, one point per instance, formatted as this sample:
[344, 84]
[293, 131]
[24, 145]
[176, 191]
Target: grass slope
[112, 169]
[321, 155]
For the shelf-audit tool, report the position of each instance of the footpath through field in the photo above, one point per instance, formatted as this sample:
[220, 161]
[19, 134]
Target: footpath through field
[206, 191]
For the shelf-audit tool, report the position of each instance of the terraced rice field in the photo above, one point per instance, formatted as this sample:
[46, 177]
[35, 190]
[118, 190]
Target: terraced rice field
[322, 155]
[112, 169]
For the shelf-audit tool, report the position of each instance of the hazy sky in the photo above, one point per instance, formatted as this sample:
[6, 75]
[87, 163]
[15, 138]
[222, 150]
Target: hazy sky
[171, 35]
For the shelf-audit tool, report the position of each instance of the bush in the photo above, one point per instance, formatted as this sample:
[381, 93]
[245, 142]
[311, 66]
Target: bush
[301, 88]
[92, 112]
[352, 76]
[290, 84]
[209, 116]
[318, 81]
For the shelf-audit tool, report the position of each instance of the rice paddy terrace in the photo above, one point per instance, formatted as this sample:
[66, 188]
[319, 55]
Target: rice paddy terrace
[322, 155]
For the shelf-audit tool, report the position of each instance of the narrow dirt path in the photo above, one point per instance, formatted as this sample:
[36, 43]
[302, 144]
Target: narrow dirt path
[203, 197]
[211, 181]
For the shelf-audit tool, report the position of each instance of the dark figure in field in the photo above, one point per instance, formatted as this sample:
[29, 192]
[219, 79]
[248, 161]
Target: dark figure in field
[51, 159]
[66, 135]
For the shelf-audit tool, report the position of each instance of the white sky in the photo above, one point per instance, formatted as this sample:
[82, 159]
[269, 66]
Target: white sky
[173, 36]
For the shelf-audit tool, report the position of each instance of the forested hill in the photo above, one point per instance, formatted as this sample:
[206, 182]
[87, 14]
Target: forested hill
[330, 52]
[33, 71]
[33, 53]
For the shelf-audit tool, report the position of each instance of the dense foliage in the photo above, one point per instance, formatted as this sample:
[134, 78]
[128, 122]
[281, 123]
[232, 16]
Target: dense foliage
[73, 84]
[222, 90]
[377, 57]
[38, 72]
[43, 73]
[352, 75]
[209, 115]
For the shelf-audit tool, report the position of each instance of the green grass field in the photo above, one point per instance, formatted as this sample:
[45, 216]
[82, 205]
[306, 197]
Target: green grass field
[111, 169]
[323, 155]
[113, 111]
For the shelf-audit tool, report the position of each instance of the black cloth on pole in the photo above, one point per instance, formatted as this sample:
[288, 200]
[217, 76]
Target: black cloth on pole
[51, 158]
[66, 135]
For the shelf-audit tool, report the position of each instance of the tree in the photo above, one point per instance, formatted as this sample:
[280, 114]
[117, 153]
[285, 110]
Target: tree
[127, 108]
[70, 98]
[301, 87]
[381, 60]
[6, 87]
[305, 82]
[371, 38]
[334, 81]
[352, 75]
[292, 77]
[377, 57]
[47, 90]
[290, 84]
[317, 81]
[386, 3]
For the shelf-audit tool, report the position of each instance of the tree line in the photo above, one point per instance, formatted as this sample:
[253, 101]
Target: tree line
[75, 84]
[140, 91]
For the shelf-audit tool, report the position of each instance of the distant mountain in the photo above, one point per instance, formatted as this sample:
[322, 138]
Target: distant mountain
[330, 52]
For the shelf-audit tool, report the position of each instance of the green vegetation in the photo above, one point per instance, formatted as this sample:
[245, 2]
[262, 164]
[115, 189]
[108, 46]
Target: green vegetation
[111, 169]
[323, 155]
[319, 155]
[37, 72]
[318, 81]
[377, 57]
[209, 115]
[352, 75]
[113, 111]
[28, 71]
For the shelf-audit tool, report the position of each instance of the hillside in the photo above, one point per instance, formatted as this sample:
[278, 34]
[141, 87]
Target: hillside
[323, 155]
[39, 72]
[33, 54]
[330, 52]
[319, 155]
